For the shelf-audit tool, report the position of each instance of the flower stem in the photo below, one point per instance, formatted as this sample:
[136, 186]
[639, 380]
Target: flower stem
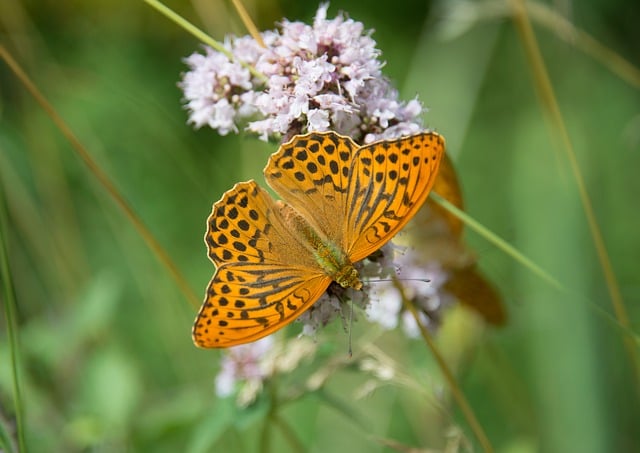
[546, 16]
[289, 434]
[202, 36]
[265, 436]
[447, 373]
[103, 179]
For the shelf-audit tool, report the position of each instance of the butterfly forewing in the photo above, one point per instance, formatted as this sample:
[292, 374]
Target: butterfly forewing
[389, 181]
[246, 225]
[311, 173]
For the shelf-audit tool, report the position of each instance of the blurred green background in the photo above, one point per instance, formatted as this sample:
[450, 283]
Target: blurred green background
[107, 359]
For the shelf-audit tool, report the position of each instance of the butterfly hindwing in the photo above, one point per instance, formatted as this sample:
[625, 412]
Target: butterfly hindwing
[247, 301]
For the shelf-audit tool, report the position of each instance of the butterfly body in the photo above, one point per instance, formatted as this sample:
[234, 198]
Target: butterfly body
[342, 202]
[329, 256]
[334, 262]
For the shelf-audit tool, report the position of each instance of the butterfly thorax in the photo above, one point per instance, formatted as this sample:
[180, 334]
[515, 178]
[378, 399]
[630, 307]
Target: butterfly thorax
[331, 258]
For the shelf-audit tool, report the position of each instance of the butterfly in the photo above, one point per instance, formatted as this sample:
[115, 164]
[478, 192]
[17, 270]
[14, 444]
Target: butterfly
[340, 203]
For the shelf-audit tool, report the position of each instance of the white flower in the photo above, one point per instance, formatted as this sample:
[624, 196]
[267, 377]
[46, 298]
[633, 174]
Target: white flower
[322, 312]
[410, 326]
[385, 309]
[318, 120]
[243, 363]
[245, 368]
[216, 91]
[421, 283]
[379, 297]
[318, 77]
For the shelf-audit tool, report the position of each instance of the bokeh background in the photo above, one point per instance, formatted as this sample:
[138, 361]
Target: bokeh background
[107, 362]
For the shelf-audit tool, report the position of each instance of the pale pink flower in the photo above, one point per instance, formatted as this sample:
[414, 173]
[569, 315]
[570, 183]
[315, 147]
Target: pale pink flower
[325, 76]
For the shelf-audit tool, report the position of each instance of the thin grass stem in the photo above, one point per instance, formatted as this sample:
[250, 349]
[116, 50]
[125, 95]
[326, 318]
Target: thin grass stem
[547, 16]
[544, 15]
[457, 393]
[554, 116]
[246, 20]
[27, 219]
[103, 179]
[289, 434]
[497, 241]
[527, 262]
[7, 443]
[202, 36]
[12, 325]
[267, 425]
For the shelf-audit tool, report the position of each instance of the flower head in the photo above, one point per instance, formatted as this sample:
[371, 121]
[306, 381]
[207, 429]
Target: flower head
[245, 368]
[243, 363]
[325, 76]
[218, 91]
[421, 283]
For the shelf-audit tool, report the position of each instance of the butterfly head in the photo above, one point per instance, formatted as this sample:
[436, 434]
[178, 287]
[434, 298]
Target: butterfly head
[348, 277]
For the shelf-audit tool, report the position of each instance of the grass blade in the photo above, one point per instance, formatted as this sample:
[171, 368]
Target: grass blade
[552, 111]
[9, 298]
[103, 179]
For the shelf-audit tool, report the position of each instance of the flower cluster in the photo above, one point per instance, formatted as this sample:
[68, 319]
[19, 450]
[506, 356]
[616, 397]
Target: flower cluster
[325, 76]
[421, 284]
[219, 91]
[244, 368]
[243, 362]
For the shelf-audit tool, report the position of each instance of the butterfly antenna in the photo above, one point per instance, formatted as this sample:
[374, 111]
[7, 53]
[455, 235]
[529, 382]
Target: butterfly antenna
[423, 280]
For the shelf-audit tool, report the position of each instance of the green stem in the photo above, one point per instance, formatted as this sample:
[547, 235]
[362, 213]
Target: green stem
[529, 264]
[546, 16]
[553, 114]
[457, 393]
[289, 434]
[265, 436]
[496, 240]
[12, 326]
[202, 36]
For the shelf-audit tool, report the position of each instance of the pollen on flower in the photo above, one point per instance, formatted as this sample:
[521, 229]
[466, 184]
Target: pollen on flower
[324, 76]
[422, 282]
[321, 313]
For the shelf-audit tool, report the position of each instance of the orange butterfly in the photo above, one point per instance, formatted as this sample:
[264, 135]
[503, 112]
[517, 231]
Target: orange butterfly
[342, 202]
